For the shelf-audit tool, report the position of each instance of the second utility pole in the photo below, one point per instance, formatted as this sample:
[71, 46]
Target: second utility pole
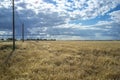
[22, 32]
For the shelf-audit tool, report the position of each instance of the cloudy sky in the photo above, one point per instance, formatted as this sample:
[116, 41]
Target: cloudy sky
[63, 19]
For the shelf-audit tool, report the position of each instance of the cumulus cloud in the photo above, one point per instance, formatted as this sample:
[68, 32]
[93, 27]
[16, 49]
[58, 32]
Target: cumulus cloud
[74, 9]
[5, 32]
[115, 16]
[85, 9]
[52, 17]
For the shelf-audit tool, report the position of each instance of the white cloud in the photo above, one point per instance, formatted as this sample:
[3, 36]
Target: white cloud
[115, 16]
[37, 30]
[2, 33]
[103, 23]
[82, 9]
[115, 19]
[5, 4]
[77, 9]
[79, 27]
[86, 9]
[67, 37]
[44, 18]
[99, 36]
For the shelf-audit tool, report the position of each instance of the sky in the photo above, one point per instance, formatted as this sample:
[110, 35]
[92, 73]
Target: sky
[62, 19]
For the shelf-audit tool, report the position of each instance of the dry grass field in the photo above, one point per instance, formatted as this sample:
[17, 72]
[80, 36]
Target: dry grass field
[60, 60]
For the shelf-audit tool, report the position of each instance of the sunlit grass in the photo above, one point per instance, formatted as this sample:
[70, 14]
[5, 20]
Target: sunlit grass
[61, 60]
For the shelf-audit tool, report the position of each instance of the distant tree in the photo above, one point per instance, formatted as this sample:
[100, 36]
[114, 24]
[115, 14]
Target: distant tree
[2, 39]
[10, 39]
[38, 39]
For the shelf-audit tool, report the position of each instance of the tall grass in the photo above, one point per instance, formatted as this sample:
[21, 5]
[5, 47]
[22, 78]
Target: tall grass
[61, 60]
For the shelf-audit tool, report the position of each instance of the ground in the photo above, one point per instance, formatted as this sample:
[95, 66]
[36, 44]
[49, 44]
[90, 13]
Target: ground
[60, 60]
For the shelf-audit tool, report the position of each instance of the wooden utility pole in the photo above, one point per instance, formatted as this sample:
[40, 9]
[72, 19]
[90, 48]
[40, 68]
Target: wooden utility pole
[22, 32]
[13, 25]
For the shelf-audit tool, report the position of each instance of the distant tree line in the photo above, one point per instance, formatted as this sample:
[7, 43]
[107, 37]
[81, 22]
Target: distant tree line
[10, 39]
[43, 39]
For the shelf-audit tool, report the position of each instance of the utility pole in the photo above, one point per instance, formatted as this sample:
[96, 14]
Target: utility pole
[13, 25]
[22, 32]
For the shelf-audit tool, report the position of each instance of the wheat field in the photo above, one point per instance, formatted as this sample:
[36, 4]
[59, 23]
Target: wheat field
[60, 60]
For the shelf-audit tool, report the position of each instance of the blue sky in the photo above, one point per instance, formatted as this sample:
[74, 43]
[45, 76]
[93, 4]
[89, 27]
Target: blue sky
[62, 19]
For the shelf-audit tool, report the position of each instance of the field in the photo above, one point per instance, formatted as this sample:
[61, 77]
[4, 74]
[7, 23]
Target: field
[60, 60]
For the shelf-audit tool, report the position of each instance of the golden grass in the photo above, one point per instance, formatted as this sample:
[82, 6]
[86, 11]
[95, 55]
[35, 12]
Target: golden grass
[61, 60]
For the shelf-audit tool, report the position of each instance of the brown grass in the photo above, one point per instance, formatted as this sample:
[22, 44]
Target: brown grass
[60, 60]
